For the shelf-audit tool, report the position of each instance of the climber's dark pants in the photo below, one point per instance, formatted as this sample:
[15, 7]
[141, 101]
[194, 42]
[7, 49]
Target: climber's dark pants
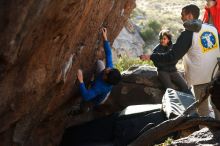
[170, 79]
[100, 66]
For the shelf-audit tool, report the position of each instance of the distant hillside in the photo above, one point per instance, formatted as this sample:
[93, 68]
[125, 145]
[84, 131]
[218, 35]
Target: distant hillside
[166, 14]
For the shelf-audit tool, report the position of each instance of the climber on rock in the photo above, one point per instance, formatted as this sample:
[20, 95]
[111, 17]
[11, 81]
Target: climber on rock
[105, 77]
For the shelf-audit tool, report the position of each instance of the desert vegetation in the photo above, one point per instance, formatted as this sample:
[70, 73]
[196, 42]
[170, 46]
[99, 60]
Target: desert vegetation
[153, 15]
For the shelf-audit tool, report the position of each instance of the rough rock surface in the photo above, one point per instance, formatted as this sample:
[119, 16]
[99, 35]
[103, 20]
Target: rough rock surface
[204, 136]
[128, 42]
[139, 85]
[42, 41]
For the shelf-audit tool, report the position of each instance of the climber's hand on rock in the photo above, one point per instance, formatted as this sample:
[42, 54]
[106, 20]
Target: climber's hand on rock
[145, 57]
[104, 33]
[80, 75]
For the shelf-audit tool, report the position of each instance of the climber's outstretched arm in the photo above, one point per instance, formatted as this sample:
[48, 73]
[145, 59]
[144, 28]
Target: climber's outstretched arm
[108, 52]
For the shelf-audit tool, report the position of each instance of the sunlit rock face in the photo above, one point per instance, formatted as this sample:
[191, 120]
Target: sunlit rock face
[204, 136]
[43, 42]
[139, 85]
[128, 42]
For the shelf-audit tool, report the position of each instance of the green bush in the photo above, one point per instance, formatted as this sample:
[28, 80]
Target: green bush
[136, 12]
[150, 31]
[167, 142]
[124, 63]
[155, 26]
[148, 34]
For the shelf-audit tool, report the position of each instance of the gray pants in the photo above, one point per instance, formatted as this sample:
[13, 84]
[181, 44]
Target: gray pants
[100, 66]
[170, 79]
[203, 109]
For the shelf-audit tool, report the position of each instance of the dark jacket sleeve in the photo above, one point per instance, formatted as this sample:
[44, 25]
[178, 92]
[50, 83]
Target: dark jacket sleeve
[179, 49]
[156, 49]
[87, 94]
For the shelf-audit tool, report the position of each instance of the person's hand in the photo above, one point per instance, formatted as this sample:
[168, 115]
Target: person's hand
[145, 57]
[104, 34]
[80, 75]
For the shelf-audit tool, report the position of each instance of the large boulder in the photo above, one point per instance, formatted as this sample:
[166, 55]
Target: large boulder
[43, 42]
[139, 85]
[128, 42]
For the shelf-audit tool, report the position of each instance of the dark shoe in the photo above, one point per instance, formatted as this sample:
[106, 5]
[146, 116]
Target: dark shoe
[86, 106]
[74, 110]
[83, 107]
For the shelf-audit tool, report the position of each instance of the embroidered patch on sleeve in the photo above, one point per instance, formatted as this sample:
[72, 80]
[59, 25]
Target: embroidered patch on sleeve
[208, 41]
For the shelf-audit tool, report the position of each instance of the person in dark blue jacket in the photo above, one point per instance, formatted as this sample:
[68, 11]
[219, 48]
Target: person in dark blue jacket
[105, 77]
[167, 71]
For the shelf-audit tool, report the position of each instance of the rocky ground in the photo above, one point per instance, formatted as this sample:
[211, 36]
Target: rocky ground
[204, 136]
